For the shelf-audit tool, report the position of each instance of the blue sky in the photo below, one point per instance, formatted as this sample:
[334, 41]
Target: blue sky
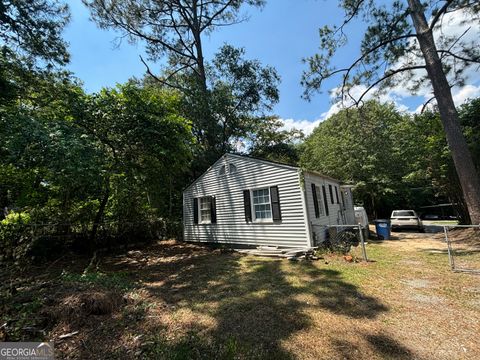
[280, 35]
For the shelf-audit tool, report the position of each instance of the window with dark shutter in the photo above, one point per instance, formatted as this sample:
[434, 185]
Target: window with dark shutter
[213, 210]
[325, 201]
[275, 199]
[336, 195]
[315, 201]
[247, 205]
[331, 193]
[195, 210]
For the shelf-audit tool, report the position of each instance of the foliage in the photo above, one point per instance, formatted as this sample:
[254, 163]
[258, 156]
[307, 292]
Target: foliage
[14, 231]
[404, 46]
[76, 160]
[118, 280]
[30, 43]
[172, 28]
[241, 91]
[360, 147]
[225, 97]
[433, 157]
[33, 28]
[394, 160]
[390, 53]
[269, 141]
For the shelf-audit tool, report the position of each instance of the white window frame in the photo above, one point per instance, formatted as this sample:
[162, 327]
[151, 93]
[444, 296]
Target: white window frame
[254, 214]
[200, 220]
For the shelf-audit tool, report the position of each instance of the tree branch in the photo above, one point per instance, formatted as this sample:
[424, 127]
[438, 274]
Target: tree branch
[448, 52]
[368, 52]
[440, 12]
[424, 107]
[212, 17]
[389, 75]
[162, 81]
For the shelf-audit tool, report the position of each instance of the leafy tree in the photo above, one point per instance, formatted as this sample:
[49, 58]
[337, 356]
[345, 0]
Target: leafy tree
[170, 27]
[433, 157]
[81, 160]
[30, 41]
[360, 146]
[220, 96]
[398, 44]
[146, 146]
[269, 141]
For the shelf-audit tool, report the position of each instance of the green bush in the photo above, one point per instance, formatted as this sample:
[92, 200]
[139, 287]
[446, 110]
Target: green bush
[15, 236]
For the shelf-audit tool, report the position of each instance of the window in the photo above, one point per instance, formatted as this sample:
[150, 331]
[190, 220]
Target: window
[320, 202]
[325, 201]
[232, 169]
[205, 210]
[222, 170]
[261, 205]
[317, 200]
[336, 195]
[331, 193]
[405, 213]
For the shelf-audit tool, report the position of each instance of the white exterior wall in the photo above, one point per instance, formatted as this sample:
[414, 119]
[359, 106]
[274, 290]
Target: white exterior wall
[231, 227]
[336, 215]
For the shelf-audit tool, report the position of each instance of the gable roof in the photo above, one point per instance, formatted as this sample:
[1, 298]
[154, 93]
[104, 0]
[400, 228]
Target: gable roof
[270, 162]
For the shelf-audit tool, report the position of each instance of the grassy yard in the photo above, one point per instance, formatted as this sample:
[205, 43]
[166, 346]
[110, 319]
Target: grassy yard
[181, 301]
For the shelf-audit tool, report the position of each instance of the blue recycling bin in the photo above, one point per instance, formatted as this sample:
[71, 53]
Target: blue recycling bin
[382, 227]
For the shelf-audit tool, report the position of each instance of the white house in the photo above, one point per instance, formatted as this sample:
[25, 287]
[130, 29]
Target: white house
[248, 201]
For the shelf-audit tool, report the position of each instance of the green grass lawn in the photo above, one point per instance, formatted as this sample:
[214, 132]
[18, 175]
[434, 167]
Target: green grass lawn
[180, 301]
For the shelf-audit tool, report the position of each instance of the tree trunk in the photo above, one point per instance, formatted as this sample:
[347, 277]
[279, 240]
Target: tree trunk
[208, 121]
[461, 155]
[99, 216]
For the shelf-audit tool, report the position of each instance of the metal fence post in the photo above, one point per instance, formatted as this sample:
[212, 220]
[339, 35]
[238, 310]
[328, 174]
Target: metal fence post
[450, 257]
[364, 251]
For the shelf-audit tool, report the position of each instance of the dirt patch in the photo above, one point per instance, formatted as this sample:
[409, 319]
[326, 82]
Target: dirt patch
[426, 299]
[418, 283]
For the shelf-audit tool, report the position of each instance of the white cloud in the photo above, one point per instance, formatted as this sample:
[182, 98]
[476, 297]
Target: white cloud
[466, 93]
[454, 24]
[304, 125]
[460, 96]
[457, 24]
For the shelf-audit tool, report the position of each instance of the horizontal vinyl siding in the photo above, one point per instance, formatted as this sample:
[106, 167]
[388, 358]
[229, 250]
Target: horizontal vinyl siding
[334, 217]
[231, 226]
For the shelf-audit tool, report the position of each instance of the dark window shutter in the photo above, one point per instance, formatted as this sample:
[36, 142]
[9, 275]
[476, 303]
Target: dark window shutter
[275, 199]
[325, 201]
[247, 205]
[331, 193]
[336, 195]
[195, 210]
[213, 210]
[315, 201]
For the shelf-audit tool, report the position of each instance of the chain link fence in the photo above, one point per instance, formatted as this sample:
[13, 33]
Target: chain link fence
[43, 240]
[463, 245]
[346, 239]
